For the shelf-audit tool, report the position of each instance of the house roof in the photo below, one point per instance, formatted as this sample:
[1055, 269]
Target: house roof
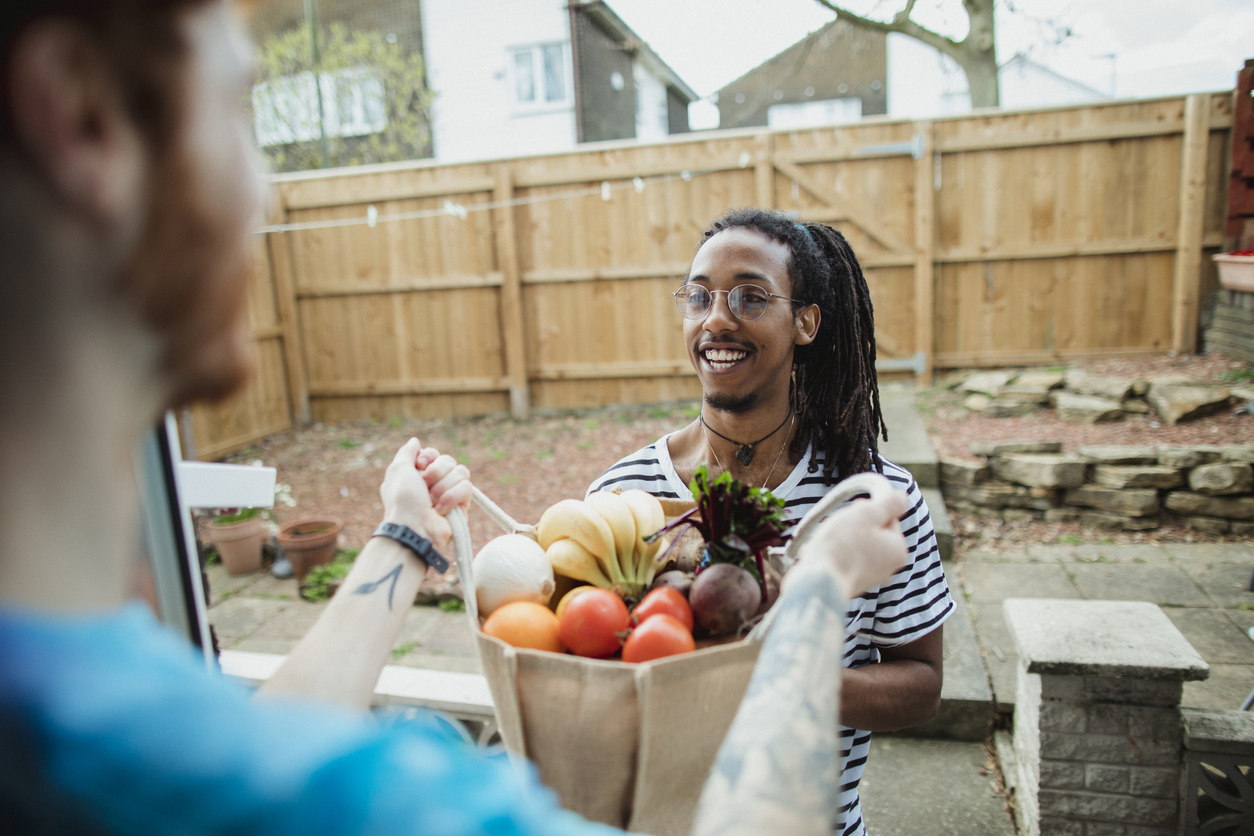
[1023, 61]
[769, 62]
[614, 25]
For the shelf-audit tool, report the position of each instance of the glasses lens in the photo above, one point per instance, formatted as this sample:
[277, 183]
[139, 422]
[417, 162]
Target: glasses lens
[748, 302]
[693, 301]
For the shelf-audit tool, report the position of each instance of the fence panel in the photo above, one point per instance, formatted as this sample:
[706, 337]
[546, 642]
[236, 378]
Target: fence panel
[993, 239]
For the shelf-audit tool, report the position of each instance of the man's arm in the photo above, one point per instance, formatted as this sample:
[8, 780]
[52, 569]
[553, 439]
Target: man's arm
[902, 690]
[778, 770]
[340, 658]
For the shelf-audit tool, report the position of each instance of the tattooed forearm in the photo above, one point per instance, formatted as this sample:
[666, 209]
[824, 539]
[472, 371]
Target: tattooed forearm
[367, 588]
[778, 770]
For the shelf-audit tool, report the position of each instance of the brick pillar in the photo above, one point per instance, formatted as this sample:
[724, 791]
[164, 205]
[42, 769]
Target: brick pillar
[1097, 729]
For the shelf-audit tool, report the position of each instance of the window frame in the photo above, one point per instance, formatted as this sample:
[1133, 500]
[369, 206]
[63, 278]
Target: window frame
[540, 86]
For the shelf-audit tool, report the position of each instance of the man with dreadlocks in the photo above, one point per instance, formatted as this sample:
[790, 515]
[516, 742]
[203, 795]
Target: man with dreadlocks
[779, 327]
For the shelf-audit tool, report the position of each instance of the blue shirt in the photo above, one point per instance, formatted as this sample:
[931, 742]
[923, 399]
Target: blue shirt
[111, 724]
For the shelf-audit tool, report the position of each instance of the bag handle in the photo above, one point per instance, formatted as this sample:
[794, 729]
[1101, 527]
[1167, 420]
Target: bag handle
[860, 484]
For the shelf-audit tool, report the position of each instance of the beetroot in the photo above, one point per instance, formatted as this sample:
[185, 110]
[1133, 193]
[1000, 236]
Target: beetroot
[679, 581]
[723, 598]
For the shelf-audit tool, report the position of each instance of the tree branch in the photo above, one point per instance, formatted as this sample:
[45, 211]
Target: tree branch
[901, 23]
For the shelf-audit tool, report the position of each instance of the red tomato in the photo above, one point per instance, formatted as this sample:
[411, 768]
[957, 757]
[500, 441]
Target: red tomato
[664, 600]
[660, 635]
[591, 622]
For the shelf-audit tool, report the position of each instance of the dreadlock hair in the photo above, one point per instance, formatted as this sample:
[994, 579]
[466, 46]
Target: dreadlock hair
[834, 390]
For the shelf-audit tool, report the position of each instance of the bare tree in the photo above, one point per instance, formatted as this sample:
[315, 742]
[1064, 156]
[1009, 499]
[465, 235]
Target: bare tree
[976, 53]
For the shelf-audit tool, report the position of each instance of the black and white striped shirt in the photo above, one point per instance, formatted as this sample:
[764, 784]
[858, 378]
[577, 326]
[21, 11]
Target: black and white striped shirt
[913, 603]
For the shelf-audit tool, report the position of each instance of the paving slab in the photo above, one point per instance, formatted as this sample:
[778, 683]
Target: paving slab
[1000, 657]
[931, 788]
[908, 444]
[993, 583]
[1129, 553]
[941, 523]
[291, 624]
[995, 556]
[1226, 688]
[223, 586]
[1167, 585]
[239, 617]
[1212, 552]
[1224, 583]
[1213, 634]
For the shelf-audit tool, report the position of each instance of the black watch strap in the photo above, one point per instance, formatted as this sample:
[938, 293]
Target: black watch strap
[413, 541]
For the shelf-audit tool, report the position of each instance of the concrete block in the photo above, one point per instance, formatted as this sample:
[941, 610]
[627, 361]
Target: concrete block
[1062, 775]
[1222, 479]
[1213, 730]
[1108, 748]
[1119, 809]
[1128, 639]
[1040, 470]
[1002, 448]
[1137, 454]
[1107, 718]
[1196, 504]
[1104, 828]
[1103, 778]
[1188, 455]
[1137, 476]
[1146, 721]
[1051, 826]
[1130, 502]
[1063, 716]
[1153, 782]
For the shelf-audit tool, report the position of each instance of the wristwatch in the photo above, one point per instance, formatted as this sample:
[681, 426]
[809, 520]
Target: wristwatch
[413, 541]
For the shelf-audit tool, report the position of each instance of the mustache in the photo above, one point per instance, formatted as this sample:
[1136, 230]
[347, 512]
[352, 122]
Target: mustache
[701, 346]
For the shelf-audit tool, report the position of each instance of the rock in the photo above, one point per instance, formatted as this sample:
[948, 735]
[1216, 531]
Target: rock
[987, 383]
[1136, 406]
[952, 380]
[964, 471]
[1187, 455]
[1174, 380]
[1230, 508]
[1062, 515]
[1185, 403]
[1118, 453]
[1238, 453]
[1242, 528]
[1024, 394]
[1131, 502]
[1000, 495]
[1040, 380]
[1018, 514]
[1115, 388]
[1137, 476]
[1220, 479]
[1085, 409]
[977, 402]
[1040, 470]
[1243, 393]
[1073, 377]
[1207, 525]
[1118, 522]
[1002, 408]
[1001, 448]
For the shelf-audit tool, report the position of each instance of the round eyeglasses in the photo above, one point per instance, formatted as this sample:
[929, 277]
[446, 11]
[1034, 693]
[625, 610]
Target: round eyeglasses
[746, 301]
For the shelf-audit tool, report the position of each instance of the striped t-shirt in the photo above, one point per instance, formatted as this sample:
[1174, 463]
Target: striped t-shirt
[913, 603]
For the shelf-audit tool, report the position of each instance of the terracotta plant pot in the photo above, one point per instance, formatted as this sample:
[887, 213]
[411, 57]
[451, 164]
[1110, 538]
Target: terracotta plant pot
[239, 544]
[310, 543]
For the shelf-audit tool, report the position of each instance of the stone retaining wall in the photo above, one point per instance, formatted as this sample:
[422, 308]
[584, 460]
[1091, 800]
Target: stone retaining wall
[1205, 487]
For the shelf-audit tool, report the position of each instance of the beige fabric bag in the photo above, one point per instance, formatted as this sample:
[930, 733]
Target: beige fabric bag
[629, 745]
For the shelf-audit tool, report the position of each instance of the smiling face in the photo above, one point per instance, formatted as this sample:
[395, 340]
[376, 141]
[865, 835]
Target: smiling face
[744, 365]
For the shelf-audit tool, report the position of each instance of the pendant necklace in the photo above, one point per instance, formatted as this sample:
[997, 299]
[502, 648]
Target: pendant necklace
[745, 454]
[778, 455]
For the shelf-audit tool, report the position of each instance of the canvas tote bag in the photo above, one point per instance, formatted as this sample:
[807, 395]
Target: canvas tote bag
[629, 745]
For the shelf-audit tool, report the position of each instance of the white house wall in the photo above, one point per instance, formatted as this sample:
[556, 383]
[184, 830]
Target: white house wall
[467, 45]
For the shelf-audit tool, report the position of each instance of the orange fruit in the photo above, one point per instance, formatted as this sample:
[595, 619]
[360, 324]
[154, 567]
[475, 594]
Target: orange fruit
[570, 596]
[525, 624]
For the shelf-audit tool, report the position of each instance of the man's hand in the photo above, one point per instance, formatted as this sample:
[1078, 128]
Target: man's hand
[420, 487]
[861, 544]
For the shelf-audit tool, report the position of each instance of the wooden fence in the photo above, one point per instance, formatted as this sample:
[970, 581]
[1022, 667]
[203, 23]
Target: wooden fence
[1004, 238]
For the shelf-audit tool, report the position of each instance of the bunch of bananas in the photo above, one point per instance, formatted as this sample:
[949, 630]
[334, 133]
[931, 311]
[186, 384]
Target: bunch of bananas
[601, 540]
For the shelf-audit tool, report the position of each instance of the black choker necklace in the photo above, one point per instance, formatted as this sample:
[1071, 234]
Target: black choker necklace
[745, 454]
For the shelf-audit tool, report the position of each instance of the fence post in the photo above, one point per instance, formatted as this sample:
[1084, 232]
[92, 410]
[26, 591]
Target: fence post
[512, 333]
[924, 245]
[1187, 274]
[282, 272]
[764, 170]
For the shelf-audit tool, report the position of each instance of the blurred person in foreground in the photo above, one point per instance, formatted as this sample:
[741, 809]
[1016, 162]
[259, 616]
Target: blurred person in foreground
[128, 189]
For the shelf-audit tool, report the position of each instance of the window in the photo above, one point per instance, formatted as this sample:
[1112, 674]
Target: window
[286, 110]
[539, 74]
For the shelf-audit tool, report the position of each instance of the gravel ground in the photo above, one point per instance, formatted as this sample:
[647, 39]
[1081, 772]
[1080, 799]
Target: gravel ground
[335, 469]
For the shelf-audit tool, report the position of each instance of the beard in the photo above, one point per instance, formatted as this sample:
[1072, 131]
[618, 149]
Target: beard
[735, 404]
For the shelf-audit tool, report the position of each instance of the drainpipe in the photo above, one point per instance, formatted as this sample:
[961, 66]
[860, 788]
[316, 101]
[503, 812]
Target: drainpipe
[574, 61]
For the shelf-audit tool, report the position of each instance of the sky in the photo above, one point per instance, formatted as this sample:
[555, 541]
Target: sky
[1160, 47]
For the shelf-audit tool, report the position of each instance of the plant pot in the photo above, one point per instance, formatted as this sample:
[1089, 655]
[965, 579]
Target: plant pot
[1236, 272]
[310, 543]
[239, 544]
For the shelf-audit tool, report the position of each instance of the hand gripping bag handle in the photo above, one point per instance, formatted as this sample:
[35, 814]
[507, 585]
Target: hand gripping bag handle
[465, 550]
[860, 484]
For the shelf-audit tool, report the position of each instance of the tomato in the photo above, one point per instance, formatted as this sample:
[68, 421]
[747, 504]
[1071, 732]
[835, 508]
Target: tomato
[592, 622]
[664, 600]
[570, 596]
[658, 636]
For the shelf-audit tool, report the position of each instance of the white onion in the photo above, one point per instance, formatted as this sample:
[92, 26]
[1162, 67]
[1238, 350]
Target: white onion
[511, 568]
